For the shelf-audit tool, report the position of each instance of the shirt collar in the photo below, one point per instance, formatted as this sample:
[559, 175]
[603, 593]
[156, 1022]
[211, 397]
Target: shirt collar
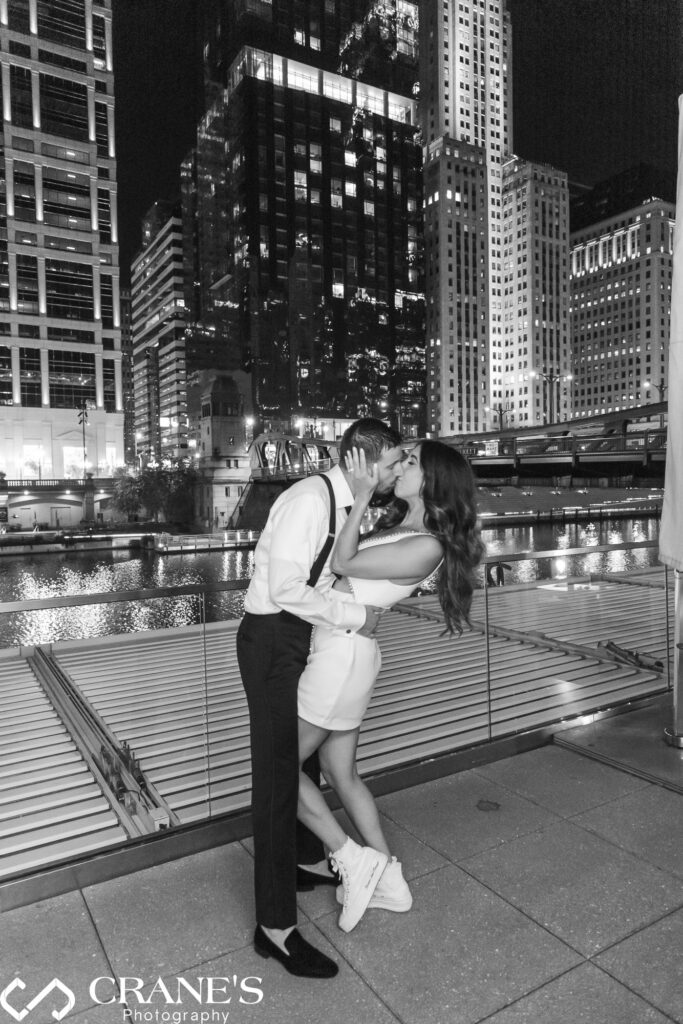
[342, 491]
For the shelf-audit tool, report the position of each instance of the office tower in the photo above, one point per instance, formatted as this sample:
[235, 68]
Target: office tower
[60, 346]
[536, 367]
[621, 271]
[158, 314]
[465, 103]
[206, 255]
[129, 440]
[316, 199]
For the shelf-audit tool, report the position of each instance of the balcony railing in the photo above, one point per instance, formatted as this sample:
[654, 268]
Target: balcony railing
[126, 729]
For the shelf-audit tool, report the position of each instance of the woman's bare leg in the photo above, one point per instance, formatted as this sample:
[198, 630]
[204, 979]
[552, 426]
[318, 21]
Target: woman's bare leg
[338, 765]
[312, 808]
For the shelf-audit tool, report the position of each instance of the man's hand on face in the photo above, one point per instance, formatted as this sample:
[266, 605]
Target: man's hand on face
[372, 617]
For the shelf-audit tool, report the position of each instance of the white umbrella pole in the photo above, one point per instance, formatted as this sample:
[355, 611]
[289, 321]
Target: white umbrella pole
[674, 734]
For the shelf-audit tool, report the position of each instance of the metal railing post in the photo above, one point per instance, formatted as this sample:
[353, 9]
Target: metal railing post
[488, 655]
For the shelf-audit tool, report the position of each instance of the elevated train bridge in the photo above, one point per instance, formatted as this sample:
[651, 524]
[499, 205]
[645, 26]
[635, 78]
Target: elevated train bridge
[629, 437]
[629, 445]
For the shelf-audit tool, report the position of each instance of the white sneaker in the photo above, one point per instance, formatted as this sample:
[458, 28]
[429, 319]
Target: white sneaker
[360, 868]
[392, 892]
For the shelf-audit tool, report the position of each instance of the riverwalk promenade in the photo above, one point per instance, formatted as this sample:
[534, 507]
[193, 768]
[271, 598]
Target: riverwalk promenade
[502, 505]
[548, 889]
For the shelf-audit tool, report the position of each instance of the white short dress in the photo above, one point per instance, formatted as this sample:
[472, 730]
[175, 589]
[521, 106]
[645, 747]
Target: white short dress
[342, 668]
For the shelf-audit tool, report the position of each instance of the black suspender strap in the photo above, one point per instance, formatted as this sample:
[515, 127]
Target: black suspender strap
[317, 566]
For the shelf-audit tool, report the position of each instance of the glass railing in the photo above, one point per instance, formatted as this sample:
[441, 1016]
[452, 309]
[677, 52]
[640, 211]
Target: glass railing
[119, 726]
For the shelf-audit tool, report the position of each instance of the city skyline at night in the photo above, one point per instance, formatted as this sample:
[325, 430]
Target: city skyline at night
[595, 86]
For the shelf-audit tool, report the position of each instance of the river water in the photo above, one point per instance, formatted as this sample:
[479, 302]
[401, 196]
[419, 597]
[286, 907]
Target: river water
[57, 575]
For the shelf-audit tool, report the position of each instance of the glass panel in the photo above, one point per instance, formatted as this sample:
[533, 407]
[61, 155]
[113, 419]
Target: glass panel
[72, 379]
[19, 16]
[20, 97]
[62, 21]
[64, 107]
[565, 644]
[136, 763]
[156, 664]
[69, 290]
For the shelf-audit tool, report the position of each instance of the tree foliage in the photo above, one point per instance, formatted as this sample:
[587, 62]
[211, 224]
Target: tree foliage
[162, 491]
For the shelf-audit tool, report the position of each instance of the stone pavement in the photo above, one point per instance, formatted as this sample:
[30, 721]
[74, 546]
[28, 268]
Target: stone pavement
[548, 889]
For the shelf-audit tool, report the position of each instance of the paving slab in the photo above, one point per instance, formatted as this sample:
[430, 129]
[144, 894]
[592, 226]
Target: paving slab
[650, 964]
[98, 1015]
[262, 992]
[53, 939]
[459, 955]
[463, 814]
[174, 915]
[633, 742]
[648, 823]
[582, 888]
[417, 858]
[585, 995]
[560, 780]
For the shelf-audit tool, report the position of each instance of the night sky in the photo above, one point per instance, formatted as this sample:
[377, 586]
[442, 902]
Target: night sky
[595, 84]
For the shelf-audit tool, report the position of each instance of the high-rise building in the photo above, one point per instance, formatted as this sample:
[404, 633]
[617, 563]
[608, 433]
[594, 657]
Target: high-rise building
[60, 346]
[158, 315]
[308, 199]
[536, 365]
[621, 270]
[465, 116]
[129, 439]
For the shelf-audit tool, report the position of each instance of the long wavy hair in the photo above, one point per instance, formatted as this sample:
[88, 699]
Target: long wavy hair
[449, 496]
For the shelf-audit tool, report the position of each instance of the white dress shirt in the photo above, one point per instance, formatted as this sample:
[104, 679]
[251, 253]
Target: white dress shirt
[296, 530]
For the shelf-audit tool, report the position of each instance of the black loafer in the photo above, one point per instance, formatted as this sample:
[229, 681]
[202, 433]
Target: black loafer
[304, 959]
[307, 880]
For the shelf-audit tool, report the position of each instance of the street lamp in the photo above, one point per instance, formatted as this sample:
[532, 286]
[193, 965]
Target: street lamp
[551, 378]
[661, 390]
[501, 411]
[83, 419]
[386, 410]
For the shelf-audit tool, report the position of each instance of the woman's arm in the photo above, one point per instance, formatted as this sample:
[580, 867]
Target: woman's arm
[409, 560]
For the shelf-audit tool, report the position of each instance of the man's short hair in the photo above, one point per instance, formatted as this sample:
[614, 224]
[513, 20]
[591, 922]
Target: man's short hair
[371, 435]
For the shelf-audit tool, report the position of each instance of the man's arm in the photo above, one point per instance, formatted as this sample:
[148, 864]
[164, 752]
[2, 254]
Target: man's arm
[298, 533]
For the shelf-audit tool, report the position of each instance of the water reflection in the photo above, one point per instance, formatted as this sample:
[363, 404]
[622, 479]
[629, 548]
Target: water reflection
[60, 575]
[47, 576]
[547, 536]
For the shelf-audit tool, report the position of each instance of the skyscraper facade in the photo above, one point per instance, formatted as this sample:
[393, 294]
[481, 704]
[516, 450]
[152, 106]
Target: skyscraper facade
[158, 326]
[60, 345]
[621, 270]
[316, 196]
[465, 116]
[535, 386]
